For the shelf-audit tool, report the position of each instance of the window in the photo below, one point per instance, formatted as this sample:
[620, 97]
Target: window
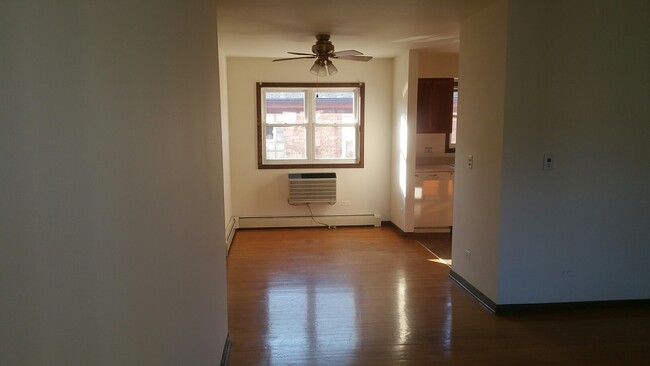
[451, 137]
[310, 125]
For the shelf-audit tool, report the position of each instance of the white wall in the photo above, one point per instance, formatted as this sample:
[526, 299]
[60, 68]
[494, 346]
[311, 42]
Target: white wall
[399, 131]
[412, 113]
[570, 79]
[264, 192]
[480, 128]
[578, 87]
[225, 138]
[111, 214]
[405, 74]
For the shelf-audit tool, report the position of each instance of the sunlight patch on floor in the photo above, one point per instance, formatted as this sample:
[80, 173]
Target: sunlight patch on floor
[446, 262]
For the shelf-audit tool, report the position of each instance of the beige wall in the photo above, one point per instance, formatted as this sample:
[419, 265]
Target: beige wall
[477, 190]
[577, 87]
[412, 113]
[405, 73]
[264, 192]
[547, 77]
[437, 65]
[111, 214]
[399, 132]
[225, 139]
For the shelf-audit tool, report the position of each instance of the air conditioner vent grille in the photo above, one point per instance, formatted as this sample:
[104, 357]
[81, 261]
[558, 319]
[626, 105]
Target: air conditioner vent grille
[312, 188]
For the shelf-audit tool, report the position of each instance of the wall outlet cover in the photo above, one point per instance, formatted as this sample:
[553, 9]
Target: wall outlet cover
[548, 162]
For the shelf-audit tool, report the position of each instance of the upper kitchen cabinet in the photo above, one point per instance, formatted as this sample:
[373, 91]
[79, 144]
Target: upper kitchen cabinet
[435, 105]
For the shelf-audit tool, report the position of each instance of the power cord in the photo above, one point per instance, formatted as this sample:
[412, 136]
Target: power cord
[316, 221]
[311, 215]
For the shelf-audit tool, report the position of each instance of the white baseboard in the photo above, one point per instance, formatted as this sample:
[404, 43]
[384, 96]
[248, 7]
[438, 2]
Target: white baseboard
[306, 221]
[231, 228]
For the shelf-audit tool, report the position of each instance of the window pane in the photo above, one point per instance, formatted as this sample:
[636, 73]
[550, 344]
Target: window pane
[285, 107]
[304, 125]
[335, 142]
[286, 143]
[335, 107]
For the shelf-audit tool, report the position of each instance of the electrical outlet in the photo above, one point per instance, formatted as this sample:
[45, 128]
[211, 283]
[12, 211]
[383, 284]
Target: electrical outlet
[428, 149]
[345, 203]
[548, 162]
[468, 254]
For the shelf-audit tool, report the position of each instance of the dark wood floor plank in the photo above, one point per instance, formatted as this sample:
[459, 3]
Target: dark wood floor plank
[367, 296]
[437, 243]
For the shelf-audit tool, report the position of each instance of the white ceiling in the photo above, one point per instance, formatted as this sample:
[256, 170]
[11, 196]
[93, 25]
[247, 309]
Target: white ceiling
[380, 28]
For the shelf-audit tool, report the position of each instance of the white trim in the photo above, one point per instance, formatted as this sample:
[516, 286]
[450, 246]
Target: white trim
[231, 228]
[306, 221]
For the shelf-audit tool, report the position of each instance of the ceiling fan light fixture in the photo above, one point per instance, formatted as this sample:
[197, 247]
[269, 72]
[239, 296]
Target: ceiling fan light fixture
[322, 51]
[322, 71]
[314, 68]
[319, 68]
[331, 69]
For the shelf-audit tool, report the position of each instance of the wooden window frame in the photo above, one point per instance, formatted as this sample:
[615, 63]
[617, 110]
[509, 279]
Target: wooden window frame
[261, 134]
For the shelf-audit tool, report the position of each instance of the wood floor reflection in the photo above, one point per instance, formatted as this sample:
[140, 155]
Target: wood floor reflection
[367, 296]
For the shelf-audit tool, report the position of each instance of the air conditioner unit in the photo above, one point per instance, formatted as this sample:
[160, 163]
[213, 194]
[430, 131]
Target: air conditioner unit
[312, 188]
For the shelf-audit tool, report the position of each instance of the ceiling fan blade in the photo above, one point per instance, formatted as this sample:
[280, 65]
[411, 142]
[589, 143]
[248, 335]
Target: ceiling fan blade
[347, 53]
[301, 54]
[356, 58]
[294, 58]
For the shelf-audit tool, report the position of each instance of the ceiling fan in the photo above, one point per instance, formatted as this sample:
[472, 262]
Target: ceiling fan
[322, 51]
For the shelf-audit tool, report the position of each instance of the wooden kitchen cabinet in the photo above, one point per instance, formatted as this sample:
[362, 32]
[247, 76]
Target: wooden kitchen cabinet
[435, 105]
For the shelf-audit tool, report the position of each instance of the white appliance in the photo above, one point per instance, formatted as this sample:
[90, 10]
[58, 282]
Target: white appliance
[434, 195]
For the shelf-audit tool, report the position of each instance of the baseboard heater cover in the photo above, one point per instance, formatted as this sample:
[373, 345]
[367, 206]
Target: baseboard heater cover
[230, 233]
[306, 221]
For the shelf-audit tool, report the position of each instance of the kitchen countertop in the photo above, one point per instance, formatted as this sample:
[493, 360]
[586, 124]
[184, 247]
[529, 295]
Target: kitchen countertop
[434, 168]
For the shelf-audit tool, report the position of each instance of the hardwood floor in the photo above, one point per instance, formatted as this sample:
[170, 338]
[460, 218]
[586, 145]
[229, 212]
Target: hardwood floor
[367, 296]
[437, 243]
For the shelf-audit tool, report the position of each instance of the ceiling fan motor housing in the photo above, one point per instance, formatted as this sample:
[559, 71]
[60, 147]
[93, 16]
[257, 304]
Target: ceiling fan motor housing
[323, 47]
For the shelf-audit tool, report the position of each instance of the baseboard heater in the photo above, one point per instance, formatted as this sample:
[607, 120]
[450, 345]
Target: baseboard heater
[230, 233]
[306, 221]
[312, 188]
